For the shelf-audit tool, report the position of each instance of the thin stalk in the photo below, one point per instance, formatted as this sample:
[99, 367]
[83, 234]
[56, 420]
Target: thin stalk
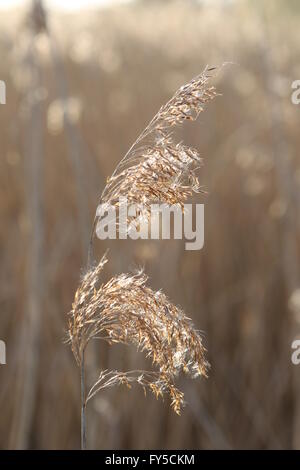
[83, 405]
[91, 245]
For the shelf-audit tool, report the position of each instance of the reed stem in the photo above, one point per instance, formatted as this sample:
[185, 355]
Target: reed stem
[83, 405]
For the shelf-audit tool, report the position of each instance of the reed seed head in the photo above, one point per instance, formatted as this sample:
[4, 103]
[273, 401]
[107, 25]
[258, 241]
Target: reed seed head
[156, 169]
[125, 310]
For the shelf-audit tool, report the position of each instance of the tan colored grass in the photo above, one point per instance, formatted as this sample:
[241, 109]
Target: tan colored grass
[157, 169]
[125, 310]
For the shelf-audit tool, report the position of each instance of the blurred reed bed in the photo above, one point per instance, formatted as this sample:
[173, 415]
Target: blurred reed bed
[92, 88]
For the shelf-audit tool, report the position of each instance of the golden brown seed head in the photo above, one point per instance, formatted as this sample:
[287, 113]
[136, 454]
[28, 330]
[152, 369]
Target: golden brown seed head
[125, 310]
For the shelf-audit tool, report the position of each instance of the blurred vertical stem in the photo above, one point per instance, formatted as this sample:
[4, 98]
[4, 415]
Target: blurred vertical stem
[83, 404]
[284, 172]
[27, 374]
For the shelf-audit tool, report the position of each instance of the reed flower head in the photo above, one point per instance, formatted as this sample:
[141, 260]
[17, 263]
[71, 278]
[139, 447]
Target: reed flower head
[156, 169]
[125, 310]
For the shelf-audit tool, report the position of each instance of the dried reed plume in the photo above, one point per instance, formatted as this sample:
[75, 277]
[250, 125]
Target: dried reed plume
[125, 310]
[156, 168]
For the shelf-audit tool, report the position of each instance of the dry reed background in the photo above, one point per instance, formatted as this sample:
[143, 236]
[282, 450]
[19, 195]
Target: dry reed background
[113, 70]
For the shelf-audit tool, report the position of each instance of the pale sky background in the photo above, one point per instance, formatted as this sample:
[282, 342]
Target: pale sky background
[77, 4]
[62, 4]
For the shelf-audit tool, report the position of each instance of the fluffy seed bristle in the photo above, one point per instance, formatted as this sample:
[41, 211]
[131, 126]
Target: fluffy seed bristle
[125, 310]
[156, 169]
